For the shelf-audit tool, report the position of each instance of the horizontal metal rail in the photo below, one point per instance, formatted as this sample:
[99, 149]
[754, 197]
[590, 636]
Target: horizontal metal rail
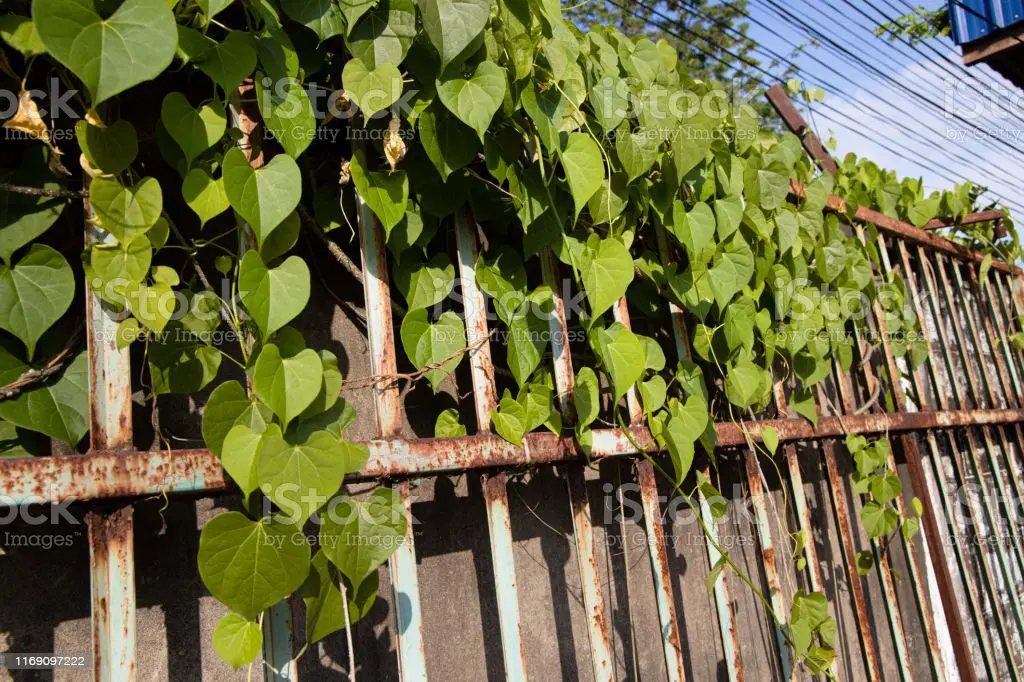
[112, 474]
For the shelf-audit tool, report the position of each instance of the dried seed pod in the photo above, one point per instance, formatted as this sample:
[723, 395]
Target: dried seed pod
[394, 145]
[346, 172]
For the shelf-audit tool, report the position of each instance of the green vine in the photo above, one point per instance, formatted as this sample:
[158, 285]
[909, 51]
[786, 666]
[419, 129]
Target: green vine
[216, 132]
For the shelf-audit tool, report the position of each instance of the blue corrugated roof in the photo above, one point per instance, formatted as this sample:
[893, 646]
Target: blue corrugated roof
[976, 19]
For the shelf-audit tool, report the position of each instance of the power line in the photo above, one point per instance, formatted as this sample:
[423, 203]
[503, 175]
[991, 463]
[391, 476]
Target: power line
[935, 167]
[858, 62]
[1006, 177]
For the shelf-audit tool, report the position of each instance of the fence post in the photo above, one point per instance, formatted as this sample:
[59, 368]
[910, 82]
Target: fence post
[111, 533]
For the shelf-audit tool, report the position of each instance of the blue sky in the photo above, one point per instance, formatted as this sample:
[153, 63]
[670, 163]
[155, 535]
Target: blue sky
[867, 108]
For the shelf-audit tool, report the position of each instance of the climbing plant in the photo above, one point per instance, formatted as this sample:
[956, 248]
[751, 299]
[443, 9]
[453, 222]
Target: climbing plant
[206, 136]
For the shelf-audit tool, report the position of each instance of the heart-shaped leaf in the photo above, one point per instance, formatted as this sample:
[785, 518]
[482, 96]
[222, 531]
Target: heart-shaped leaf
[287, 384]
[637, 151]
[584, 168]
[229, 406]
[287, 113]
[20, 33]
[607, 272]
[240, 450]
[510, 419]
[360, 536]
[622, 356]
[126, 211]
[35, 293]
[134, 44]
[448, 143]
[273, 296]
[733, 268]
[117, 265]
[230, 62]
[476, 99]
[237, 640]
[323, 17]
[23, 218]
[424, 284]
[265, 196]
[111, 149]
[151, 304]
[437, 343]
[251, 565]
[57, 406]
[451, 25]
[204, 195]
[180, 362]
[325, 611]
[586, 396]
[194, 130]
[300, 477]
[372, 89]
[385, 34]
[387, 194]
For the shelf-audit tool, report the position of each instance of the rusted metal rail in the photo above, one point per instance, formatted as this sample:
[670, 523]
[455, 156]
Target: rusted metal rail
[105, 474]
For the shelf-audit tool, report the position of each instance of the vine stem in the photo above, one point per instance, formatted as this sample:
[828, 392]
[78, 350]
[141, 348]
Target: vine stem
[32, 376]
[43, 192]
[348, 632]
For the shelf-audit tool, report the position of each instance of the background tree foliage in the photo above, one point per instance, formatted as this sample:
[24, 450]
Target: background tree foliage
[706, 33]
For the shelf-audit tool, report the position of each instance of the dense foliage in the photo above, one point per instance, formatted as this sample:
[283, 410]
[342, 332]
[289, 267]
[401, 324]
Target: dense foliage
[644, 181]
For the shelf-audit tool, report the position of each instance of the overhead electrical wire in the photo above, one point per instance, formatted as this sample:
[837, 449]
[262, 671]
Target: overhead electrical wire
[1006, 177]
[984, 139]
[1001, 101]
[860, 63]
[939, 169]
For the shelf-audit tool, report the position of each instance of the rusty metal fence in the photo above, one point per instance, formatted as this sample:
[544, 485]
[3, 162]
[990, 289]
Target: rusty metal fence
[944, 606]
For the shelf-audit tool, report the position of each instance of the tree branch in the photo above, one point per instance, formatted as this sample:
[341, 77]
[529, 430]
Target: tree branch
[43, 192]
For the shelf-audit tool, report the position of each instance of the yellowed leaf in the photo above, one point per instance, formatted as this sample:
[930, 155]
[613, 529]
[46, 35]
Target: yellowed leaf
[346, 172]
[27, 119]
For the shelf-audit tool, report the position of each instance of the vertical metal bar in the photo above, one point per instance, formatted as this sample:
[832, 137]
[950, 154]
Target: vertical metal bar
[845, 387]
[1012, 394]
[583, 529]
[655, 535]
[892, 610]
[111, 541]
[943, 577]
[771, 571]
[973, 600]
[730, 643]
[494, 485]
[383, 362]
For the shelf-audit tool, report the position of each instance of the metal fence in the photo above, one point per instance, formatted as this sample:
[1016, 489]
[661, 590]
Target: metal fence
[944, 606]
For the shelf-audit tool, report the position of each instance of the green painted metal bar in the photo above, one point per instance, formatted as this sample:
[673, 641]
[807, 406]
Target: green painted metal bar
[583, 528]
[111, 534]
[495, 485]
[412, 663]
